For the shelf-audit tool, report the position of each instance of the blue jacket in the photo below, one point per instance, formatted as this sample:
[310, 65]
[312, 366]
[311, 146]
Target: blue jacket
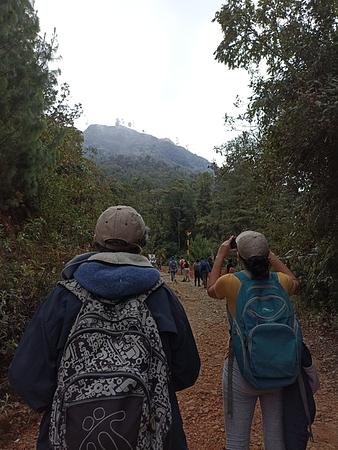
[172, 265]
[33, 372]
[204, 266]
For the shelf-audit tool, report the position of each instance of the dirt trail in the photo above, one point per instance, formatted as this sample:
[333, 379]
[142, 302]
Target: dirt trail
[201, 405]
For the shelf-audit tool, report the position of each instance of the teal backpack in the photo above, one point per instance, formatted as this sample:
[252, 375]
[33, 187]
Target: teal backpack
[265, 336]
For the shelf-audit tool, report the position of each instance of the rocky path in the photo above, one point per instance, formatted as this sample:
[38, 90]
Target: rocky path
[201, 405]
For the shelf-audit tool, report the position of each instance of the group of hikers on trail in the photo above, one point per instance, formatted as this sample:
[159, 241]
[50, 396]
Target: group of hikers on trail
[201, 270]
[106, 352]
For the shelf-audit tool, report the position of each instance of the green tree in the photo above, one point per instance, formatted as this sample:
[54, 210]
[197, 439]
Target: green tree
[234, 201]
[203, 186]
[200, 247]
[73, 193]
[179, 211]
[24, 79]
[290, 48]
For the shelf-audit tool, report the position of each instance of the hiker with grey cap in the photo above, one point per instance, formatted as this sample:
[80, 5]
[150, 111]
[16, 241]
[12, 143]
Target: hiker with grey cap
[266, 350]
[106, 352]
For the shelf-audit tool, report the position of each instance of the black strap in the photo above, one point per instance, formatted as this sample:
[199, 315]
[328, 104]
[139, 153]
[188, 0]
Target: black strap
[305, 404]
[230, 367]
[230, 399]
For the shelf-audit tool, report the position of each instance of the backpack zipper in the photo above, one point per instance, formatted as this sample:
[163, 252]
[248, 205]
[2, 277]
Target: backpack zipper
[93, 315]
[262, 286]
[265, 297]
[139, 333]
[103, 331]
[81, 402]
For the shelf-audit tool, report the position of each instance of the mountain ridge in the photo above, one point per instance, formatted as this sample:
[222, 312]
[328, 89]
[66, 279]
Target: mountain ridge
[113, 141]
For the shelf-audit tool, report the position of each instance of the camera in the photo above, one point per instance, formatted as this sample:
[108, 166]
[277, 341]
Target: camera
[233, 244]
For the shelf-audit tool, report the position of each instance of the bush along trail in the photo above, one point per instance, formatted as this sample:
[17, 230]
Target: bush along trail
[201, 405]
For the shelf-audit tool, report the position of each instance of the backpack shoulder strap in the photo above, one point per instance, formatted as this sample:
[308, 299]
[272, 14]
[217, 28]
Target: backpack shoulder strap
[274, 277]
[242, 276]
[144, 296]
[75, 288]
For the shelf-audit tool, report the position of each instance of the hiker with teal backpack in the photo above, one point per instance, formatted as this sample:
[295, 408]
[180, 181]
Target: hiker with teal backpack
[266, 350]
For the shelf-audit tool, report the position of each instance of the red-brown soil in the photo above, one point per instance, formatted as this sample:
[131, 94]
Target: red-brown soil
[201, 405]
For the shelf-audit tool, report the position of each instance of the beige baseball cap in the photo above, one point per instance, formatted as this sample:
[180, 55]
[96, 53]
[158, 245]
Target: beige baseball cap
[120, 223]
[252, 243]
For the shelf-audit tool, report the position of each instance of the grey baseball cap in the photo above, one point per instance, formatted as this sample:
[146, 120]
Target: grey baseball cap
[252, 243]
[120, 223]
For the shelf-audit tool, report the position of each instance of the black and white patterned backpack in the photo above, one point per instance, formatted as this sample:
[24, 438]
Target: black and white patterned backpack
[112, 390]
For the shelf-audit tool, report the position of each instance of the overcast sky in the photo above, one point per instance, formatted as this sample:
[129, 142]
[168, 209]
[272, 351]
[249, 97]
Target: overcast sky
[149, 62]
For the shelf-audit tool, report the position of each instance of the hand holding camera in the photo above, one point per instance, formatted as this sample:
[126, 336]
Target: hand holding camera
[227, 247]
[233, 244]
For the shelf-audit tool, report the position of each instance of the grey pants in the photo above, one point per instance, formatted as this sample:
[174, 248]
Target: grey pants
[244, 401]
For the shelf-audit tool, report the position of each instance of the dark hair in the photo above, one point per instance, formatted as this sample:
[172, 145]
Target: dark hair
[117, 245]
[228, 266]
[258, 266]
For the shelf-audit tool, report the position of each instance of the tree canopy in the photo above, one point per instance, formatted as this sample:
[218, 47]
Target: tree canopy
[24, 80]
[290, 48]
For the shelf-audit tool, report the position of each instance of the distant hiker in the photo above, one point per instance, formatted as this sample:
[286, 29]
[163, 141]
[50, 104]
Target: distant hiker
[210, 261]
[266, 349]
[181, 265]
[186, 269]
[172, 269]
[197, 273]
[104, 355]
[205, 269]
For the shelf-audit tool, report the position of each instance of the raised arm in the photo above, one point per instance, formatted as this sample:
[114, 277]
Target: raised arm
[223, 251]
[279, 266]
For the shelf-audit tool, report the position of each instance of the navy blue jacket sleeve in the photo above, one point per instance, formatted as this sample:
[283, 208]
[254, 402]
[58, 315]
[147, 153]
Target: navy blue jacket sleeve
[33, 371]
[177, 338]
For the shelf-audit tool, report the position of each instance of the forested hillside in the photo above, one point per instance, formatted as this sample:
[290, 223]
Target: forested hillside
[113, 142]
[280, 178]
